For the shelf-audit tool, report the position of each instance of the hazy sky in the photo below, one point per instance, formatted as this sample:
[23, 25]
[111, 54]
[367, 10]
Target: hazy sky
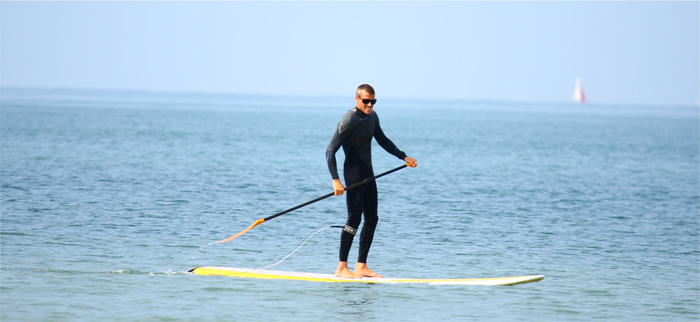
[624, 52]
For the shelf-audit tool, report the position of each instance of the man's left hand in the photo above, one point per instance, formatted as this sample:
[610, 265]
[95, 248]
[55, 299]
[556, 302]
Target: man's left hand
[411, 162]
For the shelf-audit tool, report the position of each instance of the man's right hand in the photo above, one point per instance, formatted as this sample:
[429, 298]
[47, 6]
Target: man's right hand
[338, 188]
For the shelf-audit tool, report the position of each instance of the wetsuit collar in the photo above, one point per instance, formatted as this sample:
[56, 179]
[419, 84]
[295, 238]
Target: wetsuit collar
[360, 113]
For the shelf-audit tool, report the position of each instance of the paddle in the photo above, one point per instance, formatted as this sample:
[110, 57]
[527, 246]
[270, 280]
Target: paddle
[262, 220]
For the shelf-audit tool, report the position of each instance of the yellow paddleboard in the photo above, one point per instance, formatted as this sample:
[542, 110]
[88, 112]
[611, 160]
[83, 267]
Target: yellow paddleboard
[313, 277]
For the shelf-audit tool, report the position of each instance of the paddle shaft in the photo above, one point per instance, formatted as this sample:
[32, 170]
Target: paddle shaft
[262, 220]
[368, 180]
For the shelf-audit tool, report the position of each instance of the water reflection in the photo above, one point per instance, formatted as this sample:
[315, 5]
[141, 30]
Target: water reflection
[355, 300]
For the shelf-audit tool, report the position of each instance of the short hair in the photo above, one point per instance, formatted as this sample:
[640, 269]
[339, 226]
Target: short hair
[364, 88]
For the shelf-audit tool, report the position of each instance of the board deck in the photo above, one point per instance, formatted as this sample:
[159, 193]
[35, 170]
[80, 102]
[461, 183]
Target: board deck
[329, 278]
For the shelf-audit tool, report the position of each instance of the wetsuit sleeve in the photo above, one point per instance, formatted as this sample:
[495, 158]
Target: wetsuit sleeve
[385, 143]
[341, 134]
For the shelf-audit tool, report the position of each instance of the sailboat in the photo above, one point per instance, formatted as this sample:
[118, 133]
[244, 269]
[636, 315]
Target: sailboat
[579, 96]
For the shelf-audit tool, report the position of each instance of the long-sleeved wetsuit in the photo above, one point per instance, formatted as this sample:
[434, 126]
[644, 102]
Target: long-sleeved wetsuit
[354, 133]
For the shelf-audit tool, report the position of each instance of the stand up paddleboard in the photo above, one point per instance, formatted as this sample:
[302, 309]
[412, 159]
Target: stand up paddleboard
[328, 278]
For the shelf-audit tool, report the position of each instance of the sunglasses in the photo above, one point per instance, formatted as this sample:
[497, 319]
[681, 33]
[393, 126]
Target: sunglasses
[367, 101]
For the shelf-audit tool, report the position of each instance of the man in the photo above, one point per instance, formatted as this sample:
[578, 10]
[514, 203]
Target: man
[354, 133]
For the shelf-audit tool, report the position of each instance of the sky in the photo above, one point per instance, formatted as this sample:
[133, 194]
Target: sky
[624, 52]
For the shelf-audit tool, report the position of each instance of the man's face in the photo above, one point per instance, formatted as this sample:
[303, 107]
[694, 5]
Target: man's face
[365, 108]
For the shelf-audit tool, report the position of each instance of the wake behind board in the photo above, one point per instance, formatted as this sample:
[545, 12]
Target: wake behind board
[329, 278]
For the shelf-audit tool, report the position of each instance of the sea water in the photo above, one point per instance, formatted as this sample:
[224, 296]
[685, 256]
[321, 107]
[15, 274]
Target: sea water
[108, 198]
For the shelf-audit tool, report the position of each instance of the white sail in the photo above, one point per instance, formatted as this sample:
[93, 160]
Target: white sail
[579, 96]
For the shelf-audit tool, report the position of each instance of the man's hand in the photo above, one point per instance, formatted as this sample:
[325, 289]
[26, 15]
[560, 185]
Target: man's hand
[411, 162]
[338, 188]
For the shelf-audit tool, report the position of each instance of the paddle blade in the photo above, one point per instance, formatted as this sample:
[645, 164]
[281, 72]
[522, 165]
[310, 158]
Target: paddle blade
[258, 222]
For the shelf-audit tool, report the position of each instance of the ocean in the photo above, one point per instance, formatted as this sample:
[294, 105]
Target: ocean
[109, 198]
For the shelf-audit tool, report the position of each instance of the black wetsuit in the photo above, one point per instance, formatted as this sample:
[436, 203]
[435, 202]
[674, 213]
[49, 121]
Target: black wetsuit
[354, 133]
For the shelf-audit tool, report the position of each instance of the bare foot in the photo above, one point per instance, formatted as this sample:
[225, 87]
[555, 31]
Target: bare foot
[362, 270]
[344, 271]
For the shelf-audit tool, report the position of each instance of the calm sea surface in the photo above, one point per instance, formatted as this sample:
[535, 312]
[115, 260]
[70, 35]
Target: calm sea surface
[109, 198]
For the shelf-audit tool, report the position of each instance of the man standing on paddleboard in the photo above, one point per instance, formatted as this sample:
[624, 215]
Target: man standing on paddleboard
[354, 133]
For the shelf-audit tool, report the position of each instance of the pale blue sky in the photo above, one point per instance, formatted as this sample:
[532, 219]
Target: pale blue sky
[624, 52]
